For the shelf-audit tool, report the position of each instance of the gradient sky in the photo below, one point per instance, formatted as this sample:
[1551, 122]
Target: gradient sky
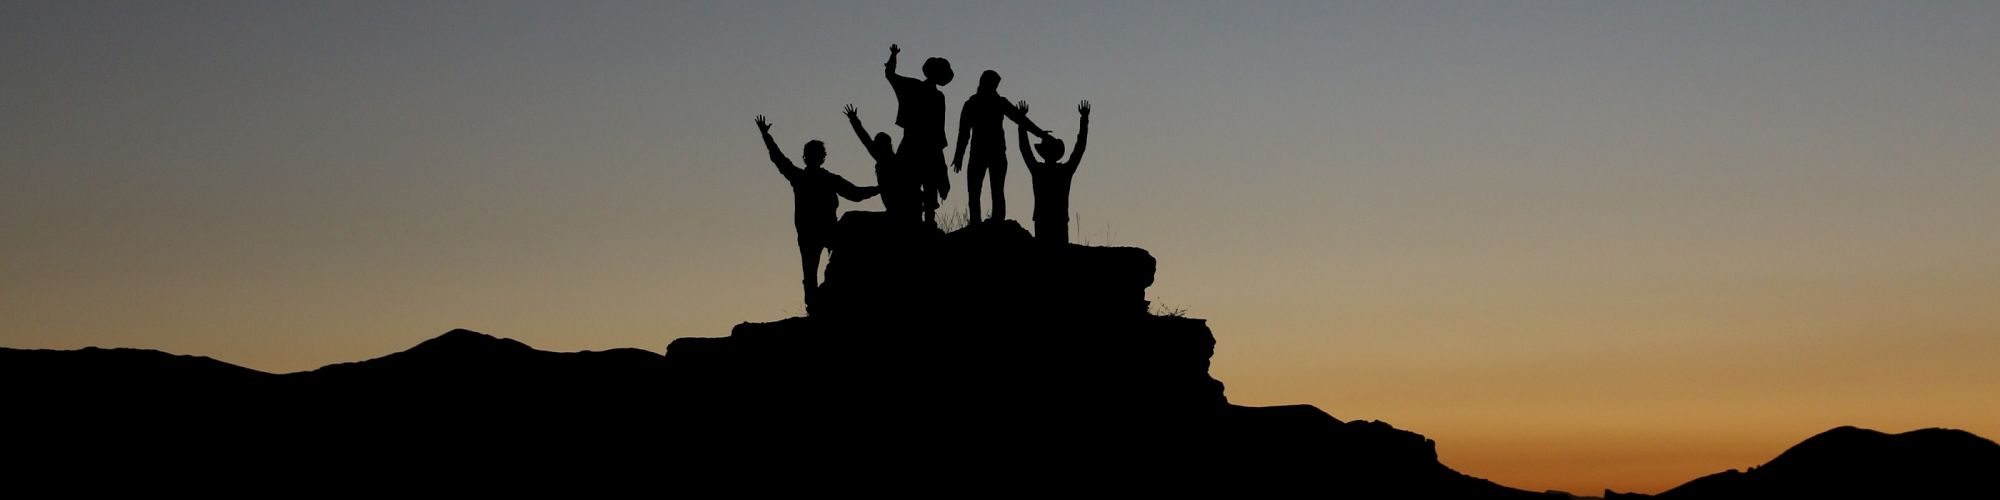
[1582, 245]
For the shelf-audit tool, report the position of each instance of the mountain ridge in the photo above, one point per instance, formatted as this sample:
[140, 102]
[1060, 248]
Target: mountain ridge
[1849, 461]
[1037, 364]
[1837, 441]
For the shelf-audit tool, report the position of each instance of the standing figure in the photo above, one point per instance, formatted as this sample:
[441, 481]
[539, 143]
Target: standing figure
[979, 125]
[920, 111]
[1052, 176]
[813, 201]
[897, 194]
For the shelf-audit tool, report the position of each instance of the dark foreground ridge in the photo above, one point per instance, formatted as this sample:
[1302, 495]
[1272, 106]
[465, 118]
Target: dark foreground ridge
[1039, 366]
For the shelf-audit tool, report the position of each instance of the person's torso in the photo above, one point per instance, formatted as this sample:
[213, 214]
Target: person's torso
[814, 197]
[986, 112]
[1052, 182]
[921, 112]
[885, 172]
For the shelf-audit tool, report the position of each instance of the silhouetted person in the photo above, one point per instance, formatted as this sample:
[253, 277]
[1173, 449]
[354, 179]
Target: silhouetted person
[813, 191]
[920, 111]
[898, 195]
[979, 125]
[1052, 176]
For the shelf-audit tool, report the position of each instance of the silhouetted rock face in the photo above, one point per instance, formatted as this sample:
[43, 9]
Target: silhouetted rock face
[985, 347]
[985, 319]
[1849, 462]
[883, 269]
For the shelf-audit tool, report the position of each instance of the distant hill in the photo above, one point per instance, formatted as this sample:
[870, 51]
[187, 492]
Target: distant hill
[976, 361]
[1849, 462]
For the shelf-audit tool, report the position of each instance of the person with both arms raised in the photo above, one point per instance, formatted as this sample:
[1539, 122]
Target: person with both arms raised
[1052, 176]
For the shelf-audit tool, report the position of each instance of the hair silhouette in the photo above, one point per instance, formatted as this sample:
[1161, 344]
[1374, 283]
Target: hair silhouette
[937, 70]
[815, 153]
[814, 191]
[989, 82]
[1051, 149]
[979, 128]
[1052, 176]
[920, 111]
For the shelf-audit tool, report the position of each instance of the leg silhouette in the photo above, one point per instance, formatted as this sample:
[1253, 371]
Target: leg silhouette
[809, 247]
[999, 171]
[1052, 230]
[975, 181]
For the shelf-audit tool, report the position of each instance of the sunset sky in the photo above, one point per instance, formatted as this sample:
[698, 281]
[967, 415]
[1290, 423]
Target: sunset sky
[1581, 245]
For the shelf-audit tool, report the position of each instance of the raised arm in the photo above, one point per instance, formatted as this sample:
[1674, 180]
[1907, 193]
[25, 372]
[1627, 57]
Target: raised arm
[1027, 152]
[1082, 133]
[889, 68]
[777, 157]
[860, 132]
[1020, 118]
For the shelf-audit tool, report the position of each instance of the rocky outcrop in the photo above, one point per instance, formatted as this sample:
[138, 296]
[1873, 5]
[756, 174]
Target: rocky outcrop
[885, 270]
[985, 317]
[982, 347]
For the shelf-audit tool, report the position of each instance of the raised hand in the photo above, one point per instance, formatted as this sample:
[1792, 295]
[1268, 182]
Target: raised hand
[763, 125]
[1083, 108]
[851, 112]
[894, 49]
[1023, 106]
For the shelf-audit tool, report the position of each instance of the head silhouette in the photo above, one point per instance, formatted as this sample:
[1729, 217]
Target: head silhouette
[815, 153]
[937, 71]
[883, 142]
[1051, 149]
[989, 82]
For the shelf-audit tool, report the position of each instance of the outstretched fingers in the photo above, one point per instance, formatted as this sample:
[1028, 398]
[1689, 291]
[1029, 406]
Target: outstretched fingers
[1083, 108]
